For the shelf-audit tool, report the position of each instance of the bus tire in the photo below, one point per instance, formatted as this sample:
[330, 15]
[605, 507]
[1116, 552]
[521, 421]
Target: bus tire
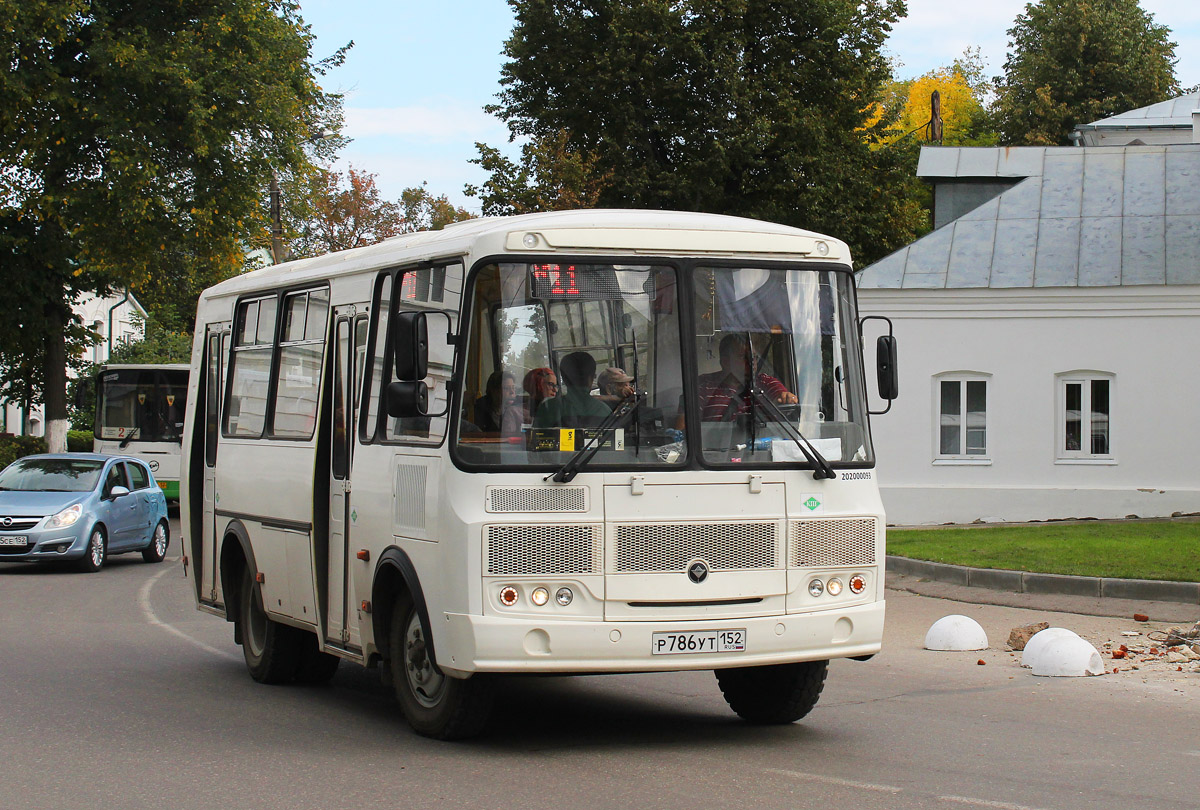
[434, 704]
[316, 667]
[773, 695]
[272, 650]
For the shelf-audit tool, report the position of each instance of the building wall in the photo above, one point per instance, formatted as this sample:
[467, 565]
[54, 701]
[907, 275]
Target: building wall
[1148, 337]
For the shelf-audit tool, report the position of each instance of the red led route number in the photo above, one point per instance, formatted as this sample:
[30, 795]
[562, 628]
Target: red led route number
[552, 279]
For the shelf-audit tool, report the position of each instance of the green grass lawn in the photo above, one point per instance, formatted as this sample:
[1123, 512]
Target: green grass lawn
[1168, 549]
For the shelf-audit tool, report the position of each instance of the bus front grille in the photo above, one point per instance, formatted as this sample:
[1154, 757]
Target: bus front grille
[537, 499]
[544, 550]
[824, 543]
[670, 547]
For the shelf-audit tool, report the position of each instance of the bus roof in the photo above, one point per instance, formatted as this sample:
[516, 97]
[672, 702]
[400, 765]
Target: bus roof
[595, 231]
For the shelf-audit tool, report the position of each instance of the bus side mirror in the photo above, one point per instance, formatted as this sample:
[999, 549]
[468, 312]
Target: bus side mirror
[887, 374]
[407, 398]
[410, 346]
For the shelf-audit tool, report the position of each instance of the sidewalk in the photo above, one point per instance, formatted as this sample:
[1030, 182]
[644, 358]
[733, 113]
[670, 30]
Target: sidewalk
[1172, 602]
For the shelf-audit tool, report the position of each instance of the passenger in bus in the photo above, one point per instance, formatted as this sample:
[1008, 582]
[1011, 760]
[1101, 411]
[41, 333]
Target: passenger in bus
[615, 386]
[540, 384]
[496, 411]
[720, 389]
[576, 408]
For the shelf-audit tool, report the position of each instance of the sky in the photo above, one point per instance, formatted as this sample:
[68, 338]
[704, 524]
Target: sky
[420, 73]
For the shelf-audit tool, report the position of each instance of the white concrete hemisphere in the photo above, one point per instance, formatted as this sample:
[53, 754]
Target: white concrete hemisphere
[1039, 640]
[1067, 657]
[956, 632]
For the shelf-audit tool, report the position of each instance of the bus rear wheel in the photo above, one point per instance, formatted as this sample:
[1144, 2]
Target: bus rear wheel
[773, 695]
[434, 704]
[272, 650]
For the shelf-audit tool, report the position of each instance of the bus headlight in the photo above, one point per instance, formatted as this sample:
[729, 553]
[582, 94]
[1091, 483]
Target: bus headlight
[540, 596]
[858, 583]
[834, 587]
[816, 587]
[508, 596]
[564, 596]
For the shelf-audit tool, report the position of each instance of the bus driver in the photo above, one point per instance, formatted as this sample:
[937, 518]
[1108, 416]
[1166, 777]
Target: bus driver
[719, 389]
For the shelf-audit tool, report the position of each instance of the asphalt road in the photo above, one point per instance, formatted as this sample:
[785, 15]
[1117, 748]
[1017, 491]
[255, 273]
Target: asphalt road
[120, 694]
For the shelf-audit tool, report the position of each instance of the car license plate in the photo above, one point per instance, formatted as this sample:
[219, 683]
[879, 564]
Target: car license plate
[698, 641]
[14, 540]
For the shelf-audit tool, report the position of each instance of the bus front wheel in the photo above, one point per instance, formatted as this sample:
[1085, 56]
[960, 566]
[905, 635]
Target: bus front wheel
[775, 694]
[272, 650]
[434, 704]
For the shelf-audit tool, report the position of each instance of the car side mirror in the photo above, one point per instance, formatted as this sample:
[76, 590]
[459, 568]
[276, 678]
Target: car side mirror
[407, 399]
[117, 492]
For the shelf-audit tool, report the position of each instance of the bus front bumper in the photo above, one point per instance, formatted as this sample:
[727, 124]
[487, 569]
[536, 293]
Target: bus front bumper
[492, 644]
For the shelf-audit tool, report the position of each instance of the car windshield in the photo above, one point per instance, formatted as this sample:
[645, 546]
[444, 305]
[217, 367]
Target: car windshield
[777, 355]
[555, 349]
[51, 475]
[146, 403]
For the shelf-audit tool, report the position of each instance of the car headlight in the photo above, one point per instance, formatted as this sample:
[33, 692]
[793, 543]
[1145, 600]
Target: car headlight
[66, 517]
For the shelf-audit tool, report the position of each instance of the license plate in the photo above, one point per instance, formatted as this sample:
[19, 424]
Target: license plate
[14, 540]
[698, 641]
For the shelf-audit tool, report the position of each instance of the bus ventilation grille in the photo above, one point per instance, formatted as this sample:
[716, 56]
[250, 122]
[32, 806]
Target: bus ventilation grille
[823, 543]
[672, 546]
[543, 550]
[537, 499]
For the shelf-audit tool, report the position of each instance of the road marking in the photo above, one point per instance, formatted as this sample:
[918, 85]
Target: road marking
[833, 780]
[986, 803]
[144, 602]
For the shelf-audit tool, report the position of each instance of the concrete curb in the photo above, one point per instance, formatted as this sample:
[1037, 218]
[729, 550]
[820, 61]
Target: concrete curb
[1026, 582]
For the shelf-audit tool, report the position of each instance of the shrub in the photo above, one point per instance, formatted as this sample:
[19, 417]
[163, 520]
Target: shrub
[15, 447]
[79, 441]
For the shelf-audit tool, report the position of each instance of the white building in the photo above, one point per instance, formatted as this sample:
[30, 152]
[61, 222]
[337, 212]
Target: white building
[115, 318]
[1048, 330]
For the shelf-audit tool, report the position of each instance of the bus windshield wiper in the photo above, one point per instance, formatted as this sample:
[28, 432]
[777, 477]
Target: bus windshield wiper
[822, 469]
[125, 442]
[584, 454]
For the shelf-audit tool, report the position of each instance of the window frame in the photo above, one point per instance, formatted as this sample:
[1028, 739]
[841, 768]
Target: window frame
[439, 270]
[962, 458]
[1084, 378]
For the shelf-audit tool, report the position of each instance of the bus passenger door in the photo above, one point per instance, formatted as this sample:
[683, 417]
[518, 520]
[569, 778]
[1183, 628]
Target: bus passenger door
[340, 630]
[216, 343]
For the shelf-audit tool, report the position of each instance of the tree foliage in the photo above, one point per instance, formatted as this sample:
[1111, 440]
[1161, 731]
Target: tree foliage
[759, 108]
[136, 137]
[420, 210]
[964, 93]
[551, 176]
[1072, 62]
[344, 211]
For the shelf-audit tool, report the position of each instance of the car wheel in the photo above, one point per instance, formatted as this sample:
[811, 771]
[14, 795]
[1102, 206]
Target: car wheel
[773, 694]
[272, 650]
[434, 704]
[96, 553]
[157, 549]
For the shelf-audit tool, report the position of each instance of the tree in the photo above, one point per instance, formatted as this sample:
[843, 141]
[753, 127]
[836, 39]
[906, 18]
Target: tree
[964, 96]
[759, 108]
[1072, 62]
[135, 139]
[551, 176]
[421, 211]
[344, 215]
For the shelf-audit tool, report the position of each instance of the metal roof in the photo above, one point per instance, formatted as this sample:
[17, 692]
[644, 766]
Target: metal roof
[1176, 112]
[1086, 217]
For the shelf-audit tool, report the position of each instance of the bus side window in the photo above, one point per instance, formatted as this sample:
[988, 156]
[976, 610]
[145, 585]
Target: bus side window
[212, 399]
[377, 353]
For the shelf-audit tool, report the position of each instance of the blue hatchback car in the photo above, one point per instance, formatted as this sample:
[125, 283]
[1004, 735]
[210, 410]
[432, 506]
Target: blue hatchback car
[81, 506]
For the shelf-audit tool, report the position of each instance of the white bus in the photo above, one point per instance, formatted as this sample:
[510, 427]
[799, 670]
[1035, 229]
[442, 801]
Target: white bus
[402, 456]
[139, 413]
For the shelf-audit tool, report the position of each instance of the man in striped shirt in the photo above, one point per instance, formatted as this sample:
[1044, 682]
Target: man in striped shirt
[720, 389]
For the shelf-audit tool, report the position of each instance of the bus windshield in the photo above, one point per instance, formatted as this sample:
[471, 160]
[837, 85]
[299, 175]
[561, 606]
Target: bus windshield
[142, 404]
[555, 348]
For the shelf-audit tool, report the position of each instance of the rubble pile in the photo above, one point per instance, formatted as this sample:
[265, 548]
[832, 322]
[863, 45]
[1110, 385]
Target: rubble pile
[1175, 645]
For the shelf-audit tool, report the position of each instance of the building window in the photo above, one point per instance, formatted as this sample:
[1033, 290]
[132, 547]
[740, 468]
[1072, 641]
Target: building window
[961, 411]
[1085, 415]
